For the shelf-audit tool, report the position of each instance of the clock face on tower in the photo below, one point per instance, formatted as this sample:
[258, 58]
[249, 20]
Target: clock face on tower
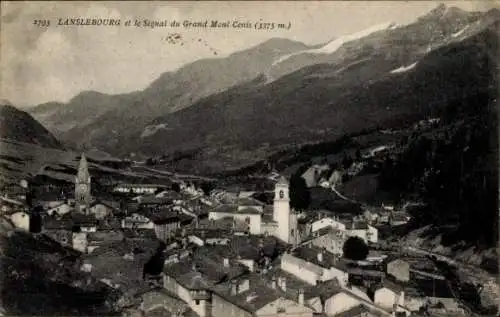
[82, 187]
[282, 194]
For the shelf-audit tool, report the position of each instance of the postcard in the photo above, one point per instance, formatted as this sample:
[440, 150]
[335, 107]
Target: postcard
[249, 158]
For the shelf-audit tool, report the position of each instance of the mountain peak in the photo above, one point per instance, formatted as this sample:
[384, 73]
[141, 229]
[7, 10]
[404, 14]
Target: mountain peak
[5, 102]
[443, 10]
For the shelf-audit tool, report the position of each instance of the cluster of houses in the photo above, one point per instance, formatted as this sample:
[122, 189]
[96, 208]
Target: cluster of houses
[232, 255]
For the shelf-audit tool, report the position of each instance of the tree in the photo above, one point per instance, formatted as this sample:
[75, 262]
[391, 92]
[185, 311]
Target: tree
[207, 187]
[300, 197]
[176, 187]
[355, 248]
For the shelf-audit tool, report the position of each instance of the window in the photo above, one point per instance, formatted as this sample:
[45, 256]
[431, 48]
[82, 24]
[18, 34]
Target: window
[197, 302]
[247, 220]
[280, 310]
[292, 232]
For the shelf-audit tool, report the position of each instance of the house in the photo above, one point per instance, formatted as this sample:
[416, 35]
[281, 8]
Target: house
[362, 230]
[101, 238]
[399, 269]
[101, 209]
[167, 224]
[51, 199]
[157, 297]
[202, 237]
[21, 220]
[355, 168]
[387, 294]
[136, 221]
[336, 178]
[333, 222]
[85, 223]
[250, 296]
[250, 215]
[59, 210]
[314, 265]
[9, 204]
[193, 278]
[79, 241]
[139, 188]
[375, 256]
[398, 219]
[313, 174]
[330, 298]
[370, 216]
[328, 238]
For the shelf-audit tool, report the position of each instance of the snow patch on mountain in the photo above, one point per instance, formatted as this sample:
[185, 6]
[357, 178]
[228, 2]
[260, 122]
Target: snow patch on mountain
[403, 69]
[333, 46]
[460, 32]
[152, 129]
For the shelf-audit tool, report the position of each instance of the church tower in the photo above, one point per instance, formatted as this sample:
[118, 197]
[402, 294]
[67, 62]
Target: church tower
[82, 186]
[282, 214]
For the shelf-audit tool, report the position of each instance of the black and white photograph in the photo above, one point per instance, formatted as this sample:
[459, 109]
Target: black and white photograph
[249, 158]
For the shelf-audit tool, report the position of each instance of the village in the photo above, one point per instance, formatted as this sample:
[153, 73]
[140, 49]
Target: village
[173, 250]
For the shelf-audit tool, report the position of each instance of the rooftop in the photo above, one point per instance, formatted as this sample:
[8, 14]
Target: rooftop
[248, 201]
[208, 267]
[233, 209]
[324, 290]
[310, 254]
[356, 311]
[254, 298]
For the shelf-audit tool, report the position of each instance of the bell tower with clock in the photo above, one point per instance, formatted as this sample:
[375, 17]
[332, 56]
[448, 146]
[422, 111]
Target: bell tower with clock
[282, 214]
[82, 186]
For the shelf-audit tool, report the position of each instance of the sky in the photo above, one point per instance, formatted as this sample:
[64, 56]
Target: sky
[41, 64]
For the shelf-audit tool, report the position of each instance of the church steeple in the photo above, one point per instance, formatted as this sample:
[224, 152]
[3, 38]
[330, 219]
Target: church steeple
[83, 170]
[82, 186]
[282, 213]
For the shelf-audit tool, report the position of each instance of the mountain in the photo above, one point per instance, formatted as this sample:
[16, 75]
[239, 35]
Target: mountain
[397, 43]
[91, 117]
[385, 76]
[19, 126]
[325, 101]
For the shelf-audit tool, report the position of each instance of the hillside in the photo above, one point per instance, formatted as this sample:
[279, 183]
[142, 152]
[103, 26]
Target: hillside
[322, 102]
[42, 278]
[19, 126]
[207, 117]
[93, 118]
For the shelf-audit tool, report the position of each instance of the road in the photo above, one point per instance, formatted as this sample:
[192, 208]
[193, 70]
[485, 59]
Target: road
[340, 195]
[175, 175]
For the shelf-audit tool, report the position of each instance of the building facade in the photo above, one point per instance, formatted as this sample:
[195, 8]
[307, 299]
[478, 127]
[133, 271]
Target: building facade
[82, 187]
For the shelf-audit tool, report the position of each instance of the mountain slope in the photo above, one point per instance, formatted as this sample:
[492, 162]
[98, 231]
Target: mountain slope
[19, 126]
[324, 102]
[387, 75]
[92, 116]
[398, 43]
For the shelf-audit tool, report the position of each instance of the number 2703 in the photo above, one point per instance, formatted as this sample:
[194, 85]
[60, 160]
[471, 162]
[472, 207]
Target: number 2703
[41, 22]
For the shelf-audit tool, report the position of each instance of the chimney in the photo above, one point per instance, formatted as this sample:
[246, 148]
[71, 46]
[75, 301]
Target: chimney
[226, 262]
[244, 286]
[301, 297]
[273, 282]
[234, 288]
[283, 284]
[320, 256]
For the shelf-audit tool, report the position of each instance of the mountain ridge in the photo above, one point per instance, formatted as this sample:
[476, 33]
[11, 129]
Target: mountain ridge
[19, 126]
[352, 69]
